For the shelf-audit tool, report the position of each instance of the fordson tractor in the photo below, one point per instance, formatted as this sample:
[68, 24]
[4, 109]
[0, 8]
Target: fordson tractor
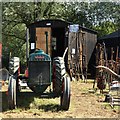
[46, 49]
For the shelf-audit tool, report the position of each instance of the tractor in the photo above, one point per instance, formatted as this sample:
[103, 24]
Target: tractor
[46, 49]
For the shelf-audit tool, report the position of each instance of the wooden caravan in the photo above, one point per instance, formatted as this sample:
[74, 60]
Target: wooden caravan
[54, 31]
[41, 34]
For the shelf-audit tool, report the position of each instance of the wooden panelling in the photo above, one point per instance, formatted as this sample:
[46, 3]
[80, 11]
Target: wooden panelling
[41, 39]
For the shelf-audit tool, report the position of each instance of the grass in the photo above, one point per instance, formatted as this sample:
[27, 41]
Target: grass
[31, 101]
[45, 104]
[35, 101]
[107, 106]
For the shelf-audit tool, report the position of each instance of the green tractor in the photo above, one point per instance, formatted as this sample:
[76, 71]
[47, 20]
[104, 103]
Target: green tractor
[46, 62]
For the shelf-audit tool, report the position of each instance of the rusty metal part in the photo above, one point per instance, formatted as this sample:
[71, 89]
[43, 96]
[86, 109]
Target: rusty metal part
[107, 67]
[101, 83]
[109, 71]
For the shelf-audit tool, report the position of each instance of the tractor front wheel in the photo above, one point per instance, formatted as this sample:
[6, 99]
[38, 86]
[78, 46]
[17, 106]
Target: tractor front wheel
[65, 95]
[12, 92]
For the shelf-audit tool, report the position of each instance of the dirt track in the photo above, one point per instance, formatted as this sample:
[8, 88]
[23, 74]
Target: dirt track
[83, 105]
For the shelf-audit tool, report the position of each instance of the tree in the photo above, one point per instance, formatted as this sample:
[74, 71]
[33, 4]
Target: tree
[104, 17]
[18, 15]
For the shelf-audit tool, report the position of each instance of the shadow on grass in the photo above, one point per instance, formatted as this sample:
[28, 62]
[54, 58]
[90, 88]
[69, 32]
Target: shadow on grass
[24, 99]
[50, 107]
[4, 101]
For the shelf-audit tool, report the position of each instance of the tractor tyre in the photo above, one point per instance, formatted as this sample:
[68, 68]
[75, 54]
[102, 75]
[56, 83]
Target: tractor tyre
[14, 65]
[58, 73]
[12, 92]
[65, 95]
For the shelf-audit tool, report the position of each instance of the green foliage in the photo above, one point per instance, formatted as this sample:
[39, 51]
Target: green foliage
[101, 16]
[105, 17]
[105, 28]
[16, 17]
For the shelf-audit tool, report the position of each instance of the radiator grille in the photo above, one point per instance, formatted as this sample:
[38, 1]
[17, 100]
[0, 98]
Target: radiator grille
[39, 72]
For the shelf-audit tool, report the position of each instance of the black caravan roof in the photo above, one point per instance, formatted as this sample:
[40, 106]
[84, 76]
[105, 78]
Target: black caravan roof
[50, 23]
[56, 23]
[113, 35]
[112, 39]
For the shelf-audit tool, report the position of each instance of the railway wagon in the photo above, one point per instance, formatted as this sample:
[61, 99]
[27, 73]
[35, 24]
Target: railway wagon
[81, 45]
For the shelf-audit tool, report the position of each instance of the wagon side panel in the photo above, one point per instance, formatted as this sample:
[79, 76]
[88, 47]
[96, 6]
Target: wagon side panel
[91, 40]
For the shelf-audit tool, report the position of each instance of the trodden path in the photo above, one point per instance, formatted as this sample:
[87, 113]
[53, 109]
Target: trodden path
[83, 105]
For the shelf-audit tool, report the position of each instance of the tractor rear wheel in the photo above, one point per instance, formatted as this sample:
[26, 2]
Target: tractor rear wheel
[12, 92]
[65, 95]
[58, 73]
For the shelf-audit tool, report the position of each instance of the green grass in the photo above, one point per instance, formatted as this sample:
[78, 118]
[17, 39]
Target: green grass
[34, 103]
[31, 101]
[45, 104]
